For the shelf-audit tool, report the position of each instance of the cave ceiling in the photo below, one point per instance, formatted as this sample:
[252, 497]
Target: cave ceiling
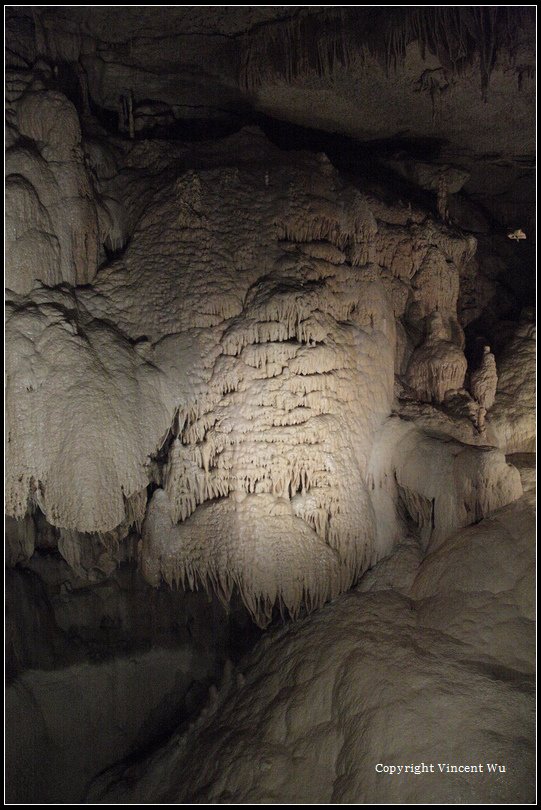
[456, 83]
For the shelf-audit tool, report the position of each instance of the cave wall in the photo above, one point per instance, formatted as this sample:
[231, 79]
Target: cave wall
[428, 660]
[238, 364]
[270, 335]
[102, 670]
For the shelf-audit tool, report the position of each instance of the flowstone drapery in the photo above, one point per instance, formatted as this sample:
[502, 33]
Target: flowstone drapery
[240, 358]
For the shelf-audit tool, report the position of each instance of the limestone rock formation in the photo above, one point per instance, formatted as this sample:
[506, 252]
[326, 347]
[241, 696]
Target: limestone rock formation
[441, 484]
[251, 256]
[484, 380]
[95, 671]
[79, 456]
[250, 394]
[56, 222]
[438, 366]
[513, 414]
[483, 385]
[401, 672]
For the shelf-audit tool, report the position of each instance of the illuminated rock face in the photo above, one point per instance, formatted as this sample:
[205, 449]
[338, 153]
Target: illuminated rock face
[265, 484]
[513, 415]
[245, 384]
[438, 366]
[427, 661]
[241, 356]
[55, 221]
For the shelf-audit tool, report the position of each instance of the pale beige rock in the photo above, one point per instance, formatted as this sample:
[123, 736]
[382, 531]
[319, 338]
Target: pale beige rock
[51, 120]
[484, 380]
[513, 415]
[252, 360]
[443, 484]
[483, 383]
[80, 455]
[437, 366]
[249, 369]
[431, 662]
[53, 228]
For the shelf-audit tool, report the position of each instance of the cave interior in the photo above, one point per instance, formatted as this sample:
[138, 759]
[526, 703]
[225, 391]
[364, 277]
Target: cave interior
[275, 264]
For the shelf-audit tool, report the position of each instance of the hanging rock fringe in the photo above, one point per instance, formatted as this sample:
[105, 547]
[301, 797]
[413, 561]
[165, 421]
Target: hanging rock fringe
[321, 42]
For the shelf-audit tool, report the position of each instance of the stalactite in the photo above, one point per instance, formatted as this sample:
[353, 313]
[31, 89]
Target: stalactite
[254, 398]
[126, 121]
[443, 197]
[324, 41]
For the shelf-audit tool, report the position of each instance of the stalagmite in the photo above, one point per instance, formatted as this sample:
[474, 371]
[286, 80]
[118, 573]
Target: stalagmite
[484, 381]
[513, 416]
[54, 213]
[437, 366]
